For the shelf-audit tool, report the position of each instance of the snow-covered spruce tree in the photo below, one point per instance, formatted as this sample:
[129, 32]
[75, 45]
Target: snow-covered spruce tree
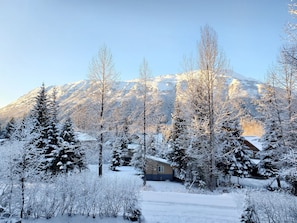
[241, 165]
[178, 143]
[10, 128]
[285, 85]
[151, 145]
[232, 157]
[272, 140]
[71, 156]
[137, 158]
[124, 142]
[120, 154]
[117, 153]
[1, 131]
[41, 121]
[52, 149]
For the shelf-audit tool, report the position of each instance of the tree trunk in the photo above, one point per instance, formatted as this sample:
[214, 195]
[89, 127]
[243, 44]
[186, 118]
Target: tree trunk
[100, 163]
[278, 182]
[144, 140]
[22, 197]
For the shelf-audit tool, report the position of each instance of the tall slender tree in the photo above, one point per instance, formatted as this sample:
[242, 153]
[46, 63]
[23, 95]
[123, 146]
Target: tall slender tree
[205, 98]
[40, 116]
[53, 146]
[103, 77]
[144, 76]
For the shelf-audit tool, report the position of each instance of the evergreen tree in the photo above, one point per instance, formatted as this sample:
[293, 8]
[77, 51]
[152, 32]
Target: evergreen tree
[52, 148]
[10, 128]
[270, 154]
[1, 131]
[116, 153]
[25, 129]
[241, 165]
[273, 145]
[178, 144]
[40, 116]
[70, 156]
[137, 158]
[233, 158]
[151, 145]
[125, 154]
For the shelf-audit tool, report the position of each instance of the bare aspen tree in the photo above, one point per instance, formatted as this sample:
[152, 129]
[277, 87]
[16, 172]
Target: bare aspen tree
[285, 77]
[207, 103]
[144, 75]
[291, 26]
[102, 74]
[212, 65]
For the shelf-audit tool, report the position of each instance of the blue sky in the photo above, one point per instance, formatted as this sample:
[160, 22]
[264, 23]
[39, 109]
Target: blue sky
[53, 41]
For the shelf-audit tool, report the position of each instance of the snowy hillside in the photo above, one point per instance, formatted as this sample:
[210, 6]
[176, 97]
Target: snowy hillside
[74, 96]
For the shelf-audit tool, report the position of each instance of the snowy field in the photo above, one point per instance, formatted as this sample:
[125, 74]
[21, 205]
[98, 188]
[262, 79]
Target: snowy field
[163, 202]
[177, 207]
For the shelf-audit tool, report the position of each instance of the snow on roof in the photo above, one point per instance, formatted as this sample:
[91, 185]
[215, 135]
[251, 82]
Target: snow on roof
[255, 161]
[158, 159]
[82, 136]
[134, 146]
[254, 140]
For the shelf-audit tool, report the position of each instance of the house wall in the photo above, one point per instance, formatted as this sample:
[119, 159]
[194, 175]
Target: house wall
[158, 171]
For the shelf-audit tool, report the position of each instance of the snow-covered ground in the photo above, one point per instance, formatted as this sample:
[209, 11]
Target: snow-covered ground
[185, 207]
[163, 202]
[174, 207]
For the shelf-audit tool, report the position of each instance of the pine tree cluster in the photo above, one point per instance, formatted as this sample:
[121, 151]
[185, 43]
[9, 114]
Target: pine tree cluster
[50, 147]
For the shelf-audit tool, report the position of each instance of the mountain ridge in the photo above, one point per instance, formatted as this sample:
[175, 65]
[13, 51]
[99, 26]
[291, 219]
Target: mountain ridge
[73, 96]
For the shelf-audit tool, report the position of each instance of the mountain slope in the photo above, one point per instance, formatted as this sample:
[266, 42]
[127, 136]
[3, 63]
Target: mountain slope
[75, 98]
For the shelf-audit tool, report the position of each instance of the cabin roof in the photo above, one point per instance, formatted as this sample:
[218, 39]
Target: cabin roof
[158, 159]
[255, 141]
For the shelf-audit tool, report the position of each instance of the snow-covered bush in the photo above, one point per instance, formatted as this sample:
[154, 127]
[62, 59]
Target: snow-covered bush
[66, 194]
[249, 214]
[82, 194]
[262, 206]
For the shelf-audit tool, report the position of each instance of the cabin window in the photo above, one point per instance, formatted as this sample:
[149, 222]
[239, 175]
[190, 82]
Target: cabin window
[161, 169]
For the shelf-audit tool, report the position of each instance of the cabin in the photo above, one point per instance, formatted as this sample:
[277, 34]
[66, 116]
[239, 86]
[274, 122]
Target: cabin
[158, 169]
[253, 144]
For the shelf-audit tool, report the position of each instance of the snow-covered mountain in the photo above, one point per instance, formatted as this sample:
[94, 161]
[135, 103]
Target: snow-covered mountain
[77, 95]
